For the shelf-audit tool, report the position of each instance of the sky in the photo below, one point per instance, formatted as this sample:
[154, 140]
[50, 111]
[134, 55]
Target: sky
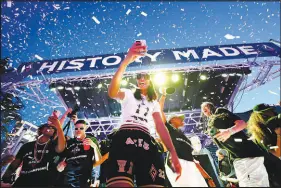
[52, 30]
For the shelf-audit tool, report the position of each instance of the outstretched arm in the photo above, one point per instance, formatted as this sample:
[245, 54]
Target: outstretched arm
[165, 137]
[223, 135]
[61, 139]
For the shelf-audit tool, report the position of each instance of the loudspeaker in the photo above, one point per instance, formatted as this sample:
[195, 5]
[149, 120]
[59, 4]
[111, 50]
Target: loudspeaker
[206, 163]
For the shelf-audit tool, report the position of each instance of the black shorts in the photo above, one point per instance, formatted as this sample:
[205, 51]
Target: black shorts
[134, 154]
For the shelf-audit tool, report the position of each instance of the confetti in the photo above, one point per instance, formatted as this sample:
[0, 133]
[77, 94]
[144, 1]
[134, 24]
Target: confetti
[128, 11]
[38, 57]
[228, 36]
[96, 20]
[139, 34]
[9, 3]
[144, 14]
[237, 139]
[272, 92]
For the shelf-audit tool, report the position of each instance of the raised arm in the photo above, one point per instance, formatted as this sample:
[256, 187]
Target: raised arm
[61, 139]
[62, 119]
[165, 137]
[114, 87]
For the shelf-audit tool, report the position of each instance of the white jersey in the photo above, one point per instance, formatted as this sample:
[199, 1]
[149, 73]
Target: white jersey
[137, 112]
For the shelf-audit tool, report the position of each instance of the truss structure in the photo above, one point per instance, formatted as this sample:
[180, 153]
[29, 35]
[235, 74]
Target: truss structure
[31, 90]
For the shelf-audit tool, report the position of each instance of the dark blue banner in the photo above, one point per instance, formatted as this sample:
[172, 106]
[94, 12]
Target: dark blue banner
[153, 57]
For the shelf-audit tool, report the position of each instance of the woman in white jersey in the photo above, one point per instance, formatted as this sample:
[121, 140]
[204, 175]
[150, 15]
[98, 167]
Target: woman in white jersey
[134, 153]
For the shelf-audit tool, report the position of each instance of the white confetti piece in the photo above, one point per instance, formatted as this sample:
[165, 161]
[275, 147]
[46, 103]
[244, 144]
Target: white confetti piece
[128, 11]
[96, 20]
[143, 13]
[139, 34]
[273, 92]
[182, 9]
[9, 3]
[38, 57]
[228, 36]
[57, 6]
[237, 139]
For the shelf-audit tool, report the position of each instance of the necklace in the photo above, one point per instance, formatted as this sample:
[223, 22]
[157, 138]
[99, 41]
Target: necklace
[43, 151]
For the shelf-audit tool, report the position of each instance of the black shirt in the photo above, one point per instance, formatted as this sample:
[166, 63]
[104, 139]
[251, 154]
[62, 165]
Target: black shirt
[79, 167]
[104, 147]
[238, 144]
[225, 167]
[35, 172]
[181, 143]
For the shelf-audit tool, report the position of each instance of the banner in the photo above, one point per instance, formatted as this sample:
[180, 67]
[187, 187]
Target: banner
[154, 57]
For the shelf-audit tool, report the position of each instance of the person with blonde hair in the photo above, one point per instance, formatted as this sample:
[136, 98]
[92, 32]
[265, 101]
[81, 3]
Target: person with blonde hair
[264, 126]
[225, 128]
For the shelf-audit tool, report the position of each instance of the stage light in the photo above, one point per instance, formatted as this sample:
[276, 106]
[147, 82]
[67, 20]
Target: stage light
[203, 77]
[224, 75]
[77, 88]
[175, 77]
[68, 88]
[100, 86]
[160, 79]
[59, 87]
[238, 74]
[124, 82]
[232, 74]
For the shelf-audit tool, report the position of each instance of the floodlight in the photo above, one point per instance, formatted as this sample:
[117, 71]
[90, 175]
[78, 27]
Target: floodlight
[224, 75]
[77, 88]
[100, 86]
[160, 79]
[124, 82]
[175, 77]
[203, 77]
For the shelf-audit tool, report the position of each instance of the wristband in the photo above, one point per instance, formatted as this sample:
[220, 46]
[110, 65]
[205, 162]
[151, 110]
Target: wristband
[231, 131]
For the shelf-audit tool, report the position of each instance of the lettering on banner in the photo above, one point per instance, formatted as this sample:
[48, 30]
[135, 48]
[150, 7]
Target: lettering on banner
[192, 54]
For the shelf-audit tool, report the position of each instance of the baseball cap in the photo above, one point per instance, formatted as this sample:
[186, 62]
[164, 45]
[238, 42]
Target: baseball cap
[260, 108]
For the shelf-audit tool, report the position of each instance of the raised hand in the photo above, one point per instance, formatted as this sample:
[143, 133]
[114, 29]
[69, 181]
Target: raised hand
[54, 121]
[136, 51]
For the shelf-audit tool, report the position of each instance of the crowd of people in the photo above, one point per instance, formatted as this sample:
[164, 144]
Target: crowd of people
[130, 156]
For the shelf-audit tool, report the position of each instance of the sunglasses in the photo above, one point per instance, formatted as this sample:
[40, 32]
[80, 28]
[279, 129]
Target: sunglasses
[50, 127]
[146, 76]
[81, 128]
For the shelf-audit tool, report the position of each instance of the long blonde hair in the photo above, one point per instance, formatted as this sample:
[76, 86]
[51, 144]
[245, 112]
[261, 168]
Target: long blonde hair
[255, 125]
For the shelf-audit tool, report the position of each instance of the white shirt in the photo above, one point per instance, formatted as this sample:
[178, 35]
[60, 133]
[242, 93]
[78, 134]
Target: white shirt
[138, 112]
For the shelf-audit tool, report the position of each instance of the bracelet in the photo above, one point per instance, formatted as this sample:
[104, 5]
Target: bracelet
[231, 131]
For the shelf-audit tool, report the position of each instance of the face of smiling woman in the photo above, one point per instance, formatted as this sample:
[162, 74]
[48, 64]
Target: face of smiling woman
[143, 81]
